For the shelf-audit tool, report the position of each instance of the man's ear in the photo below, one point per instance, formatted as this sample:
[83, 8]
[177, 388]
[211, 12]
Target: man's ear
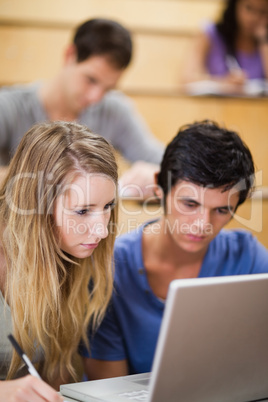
[157, 190]
[70, 55]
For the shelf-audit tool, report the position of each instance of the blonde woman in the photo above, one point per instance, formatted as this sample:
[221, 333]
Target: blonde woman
[56, 208]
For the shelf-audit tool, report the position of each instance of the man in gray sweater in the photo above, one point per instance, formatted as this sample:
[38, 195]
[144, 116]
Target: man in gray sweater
[84, 91]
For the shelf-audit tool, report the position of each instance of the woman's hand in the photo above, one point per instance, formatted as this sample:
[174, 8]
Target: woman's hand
[261, 32]
[238, 77]
[27, 389]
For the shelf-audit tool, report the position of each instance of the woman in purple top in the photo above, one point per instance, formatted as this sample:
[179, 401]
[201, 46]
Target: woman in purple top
[234, 49]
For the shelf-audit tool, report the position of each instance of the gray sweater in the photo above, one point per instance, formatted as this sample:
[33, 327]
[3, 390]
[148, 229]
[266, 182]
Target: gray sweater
[5, 345]
[114, 118]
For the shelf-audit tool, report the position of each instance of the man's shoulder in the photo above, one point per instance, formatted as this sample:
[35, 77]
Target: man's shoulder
[115, 100]
[128, 259]
[238, 242]
[235, 252]
[19, 90]
[129, 240]
[19, 97]
[115, 95]
[235, 237]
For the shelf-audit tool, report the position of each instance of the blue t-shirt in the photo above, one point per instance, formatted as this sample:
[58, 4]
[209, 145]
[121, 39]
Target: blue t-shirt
[131, 326]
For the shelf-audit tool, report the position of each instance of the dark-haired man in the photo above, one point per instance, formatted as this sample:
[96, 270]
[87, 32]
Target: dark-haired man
[83, 91]
[206, 173]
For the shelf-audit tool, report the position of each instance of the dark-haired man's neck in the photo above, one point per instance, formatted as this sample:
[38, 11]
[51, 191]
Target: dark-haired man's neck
[54, 103]
[164, 263]
[170, 251]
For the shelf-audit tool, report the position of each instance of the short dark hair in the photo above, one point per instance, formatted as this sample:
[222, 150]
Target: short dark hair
[101, 36]
[207, 155]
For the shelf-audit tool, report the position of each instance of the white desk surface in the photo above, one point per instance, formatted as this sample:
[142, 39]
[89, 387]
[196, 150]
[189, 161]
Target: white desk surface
[75, 400]
[69, 399]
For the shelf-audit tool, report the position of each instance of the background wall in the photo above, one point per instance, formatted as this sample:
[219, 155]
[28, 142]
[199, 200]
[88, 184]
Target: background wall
[162, 30]
[34, 33]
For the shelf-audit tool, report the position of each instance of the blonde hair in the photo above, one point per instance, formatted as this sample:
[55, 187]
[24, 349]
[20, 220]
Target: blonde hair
[48, 290]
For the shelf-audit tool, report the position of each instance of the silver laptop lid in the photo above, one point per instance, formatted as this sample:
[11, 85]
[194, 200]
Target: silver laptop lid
[213, 343]
[212, 347]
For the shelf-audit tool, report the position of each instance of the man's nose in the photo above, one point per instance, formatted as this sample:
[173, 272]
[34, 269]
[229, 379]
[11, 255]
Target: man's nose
[95, 94]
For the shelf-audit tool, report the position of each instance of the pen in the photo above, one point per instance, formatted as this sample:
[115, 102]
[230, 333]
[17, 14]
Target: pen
[232, 64]
[24, 357]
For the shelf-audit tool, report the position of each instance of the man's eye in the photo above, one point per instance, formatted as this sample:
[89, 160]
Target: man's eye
[223, 211]
[91, 80]
[190, 204]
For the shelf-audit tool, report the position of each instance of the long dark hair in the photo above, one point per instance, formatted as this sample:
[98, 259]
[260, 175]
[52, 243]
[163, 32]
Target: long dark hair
[227, 26]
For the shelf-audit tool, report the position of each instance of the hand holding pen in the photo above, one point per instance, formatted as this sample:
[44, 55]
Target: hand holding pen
[29, 388]
[236, 75]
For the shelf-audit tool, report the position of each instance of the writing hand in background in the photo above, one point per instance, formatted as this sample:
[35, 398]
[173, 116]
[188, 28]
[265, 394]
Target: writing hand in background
[261, 32]
[138, 181]
[238, 77]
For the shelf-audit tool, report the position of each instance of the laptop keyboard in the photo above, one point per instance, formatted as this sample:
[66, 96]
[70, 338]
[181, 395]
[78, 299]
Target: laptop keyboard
[136, 395]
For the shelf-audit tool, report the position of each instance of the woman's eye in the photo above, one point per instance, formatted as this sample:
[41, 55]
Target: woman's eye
[82, 211]
[110, 205]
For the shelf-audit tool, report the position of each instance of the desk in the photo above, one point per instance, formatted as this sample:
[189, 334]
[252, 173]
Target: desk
[166, 113]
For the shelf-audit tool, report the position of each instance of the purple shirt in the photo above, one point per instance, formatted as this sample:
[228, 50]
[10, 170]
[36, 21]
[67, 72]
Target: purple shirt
[251, 63]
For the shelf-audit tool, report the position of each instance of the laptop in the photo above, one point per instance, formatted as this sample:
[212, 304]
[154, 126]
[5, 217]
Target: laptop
[212, 347]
